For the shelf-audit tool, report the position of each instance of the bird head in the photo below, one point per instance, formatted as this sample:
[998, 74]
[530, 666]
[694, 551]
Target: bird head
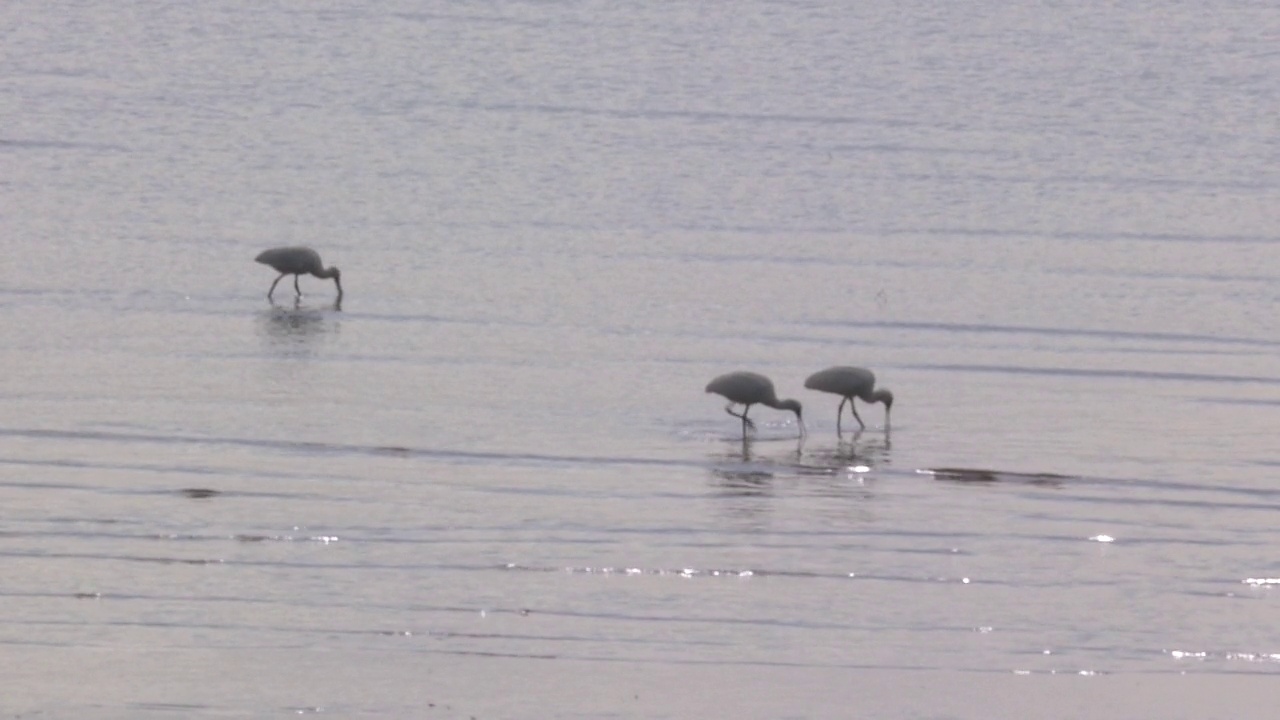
[793, 406]
[886, 397]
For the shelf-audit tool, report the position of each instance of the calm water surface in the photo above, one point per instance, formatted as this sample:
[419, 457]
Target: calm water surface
[1052, 231]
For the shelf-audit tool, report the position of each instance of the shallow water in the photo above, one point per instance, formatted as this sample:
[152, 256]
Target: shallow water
[1051, 231]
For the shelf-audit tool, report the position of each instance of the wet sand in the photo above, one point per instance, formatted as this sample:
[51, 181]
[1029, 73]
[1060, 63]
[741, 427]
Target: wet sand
[98, 683]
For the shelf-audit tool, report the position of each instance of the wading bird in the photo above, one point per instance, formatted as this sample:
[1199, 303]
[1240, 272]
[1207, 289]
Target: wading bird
[297, 261]
[748, 388]
[848, 383]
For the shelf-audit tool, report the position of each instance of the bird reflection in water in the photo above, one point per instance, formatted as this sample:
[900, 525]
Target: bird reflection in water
[739, 472]
[297, 304]
[743, 486]
[851, 454]
[296, 325]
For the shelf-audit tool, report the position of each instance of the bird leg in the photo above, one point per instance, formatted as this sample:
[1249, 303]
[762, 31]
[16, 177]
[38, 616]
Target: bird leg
[295, 286]
[840, 414]
[854, 410]
[745, 422]
[273, 285]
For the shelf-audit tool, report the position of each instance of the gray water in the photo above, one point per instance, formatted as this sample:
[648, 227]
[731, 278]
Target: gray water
[1051, 230]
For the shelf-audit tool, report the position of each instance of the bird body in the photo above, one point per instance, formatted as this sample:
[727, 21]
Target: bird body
[295, 261]
[850, 382]
[747, 389]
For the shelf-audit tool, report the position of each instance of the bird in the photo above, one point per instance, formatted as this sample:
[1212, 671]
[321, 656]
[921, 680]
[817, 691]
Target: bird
[297, 261]
[850, 382]
[748, 388]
